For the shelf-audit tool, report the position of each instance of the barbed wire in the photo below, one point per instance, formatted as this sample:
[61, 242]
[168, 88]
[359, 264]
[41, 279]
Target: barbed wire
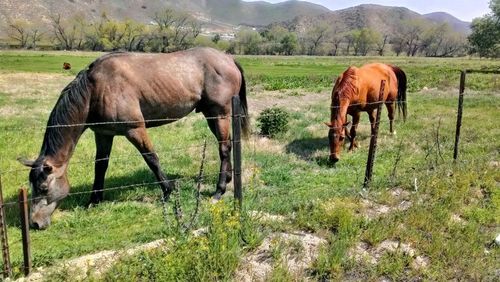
[118, 157]
[122, 187]
[90, 124]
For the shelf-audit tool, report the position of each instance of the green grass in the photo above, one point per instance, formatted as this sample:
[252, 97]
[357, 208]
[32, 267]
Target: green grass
[288, 176]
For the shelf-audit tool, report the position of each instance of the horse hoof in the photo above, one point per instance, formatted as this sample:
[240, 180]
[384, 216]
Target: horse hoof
[216, 197]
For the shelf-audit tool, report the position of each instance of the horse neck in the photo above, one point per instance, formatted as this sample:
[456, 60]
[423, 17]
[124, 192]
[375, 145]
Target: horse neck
[339, 110]
[66, 123]
[60, 142]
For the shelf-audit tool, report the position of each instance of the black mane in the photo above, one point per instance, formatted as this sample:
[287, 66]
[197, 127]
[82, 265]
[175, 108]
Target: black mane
[68, 115]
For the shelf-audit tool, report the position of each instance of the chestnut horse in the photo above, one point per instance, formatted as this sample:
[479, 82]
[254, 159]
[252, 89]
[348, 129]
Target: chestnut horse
[123, 94]
[357, 90]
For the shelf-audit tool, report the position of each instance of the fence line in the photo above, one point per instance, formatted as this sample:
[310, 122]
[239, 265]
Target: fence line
[42, 127]
[123, 187]
[93, 160]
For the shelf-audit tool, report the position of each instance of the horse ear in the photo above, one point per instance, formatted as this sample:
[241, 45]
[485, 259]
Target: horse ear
[346, 124]
[26, 162]
[329, 124]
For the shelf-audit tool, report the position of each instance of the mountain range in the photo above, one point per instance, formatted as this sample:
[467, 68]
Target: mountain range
[223, 12]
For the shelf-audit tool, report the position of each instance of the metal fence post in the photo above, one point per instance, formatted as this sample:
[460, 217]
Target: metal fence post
[373, 139]
[459, 113]
[23, 206]
[236, 123]
[7, 269]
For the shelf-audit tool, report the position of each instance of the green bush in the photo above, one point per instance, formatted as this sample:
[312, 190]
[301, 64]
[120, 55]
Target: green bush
[273, 121]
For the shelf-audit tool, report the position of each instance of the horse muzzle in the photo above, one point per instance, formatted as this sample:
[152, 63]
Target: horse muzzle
[333, 159]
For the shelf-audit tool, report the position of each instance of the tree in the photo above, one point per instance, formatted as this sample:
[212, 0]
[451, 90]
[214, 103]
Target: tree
[411, 33]
[380, 42]
[289, 43]
[19, 32]
[363, 40]
[441, 41]
[485, 36]
[314, 36]
[248, 42]
[68, 33]
[398, 44]
[175, 31]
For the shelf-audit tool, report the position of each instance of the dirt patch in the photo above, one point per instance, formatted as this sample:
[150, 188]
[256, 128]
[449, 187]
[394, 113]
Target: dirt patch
[32, 92]
[266, 217]
[294, 252]
[399, 197]
[362, 252]
[265, 99]
[96, 264]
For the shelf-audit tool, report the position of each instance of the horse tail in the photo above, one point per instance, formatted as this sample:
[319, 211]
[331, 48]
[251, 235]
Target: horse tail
[245, 119]
[402, 84]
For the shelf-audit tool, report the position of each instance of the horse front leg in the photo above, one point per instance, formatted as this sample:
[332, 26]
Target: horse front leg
[355, 121]
[372, 115]
[221, 128]
[140, 139]
[103, 150]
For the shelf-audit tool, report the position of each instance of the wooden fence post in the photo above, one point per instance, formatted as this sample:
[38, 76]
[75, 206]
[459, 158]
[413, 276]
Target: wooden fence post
[23, 207]
[373, 139]
[236, 122]
[459, 113]
[7, 269]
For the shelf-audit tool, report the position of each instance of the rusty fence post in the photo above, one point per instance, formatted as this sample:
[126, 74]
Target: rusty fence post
[373, 139]
[7, 269]
[459, 113]
[23, 207]
[236, 124]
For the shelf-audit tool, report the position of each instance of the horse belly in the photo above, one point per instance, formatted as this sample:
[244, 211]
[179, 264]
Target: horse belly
[170, 108]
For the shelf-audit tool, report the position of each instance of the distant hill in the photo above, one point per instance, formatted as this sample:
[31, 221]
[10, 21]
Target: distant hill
[381, 18]
[232, 12]
[456, 24]
[225, 13]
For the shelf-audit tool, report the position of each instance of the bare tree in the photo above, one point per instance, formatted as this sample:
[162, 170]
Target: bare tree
[68, 33]
[381, 42]
[315, 36]
[19, 32]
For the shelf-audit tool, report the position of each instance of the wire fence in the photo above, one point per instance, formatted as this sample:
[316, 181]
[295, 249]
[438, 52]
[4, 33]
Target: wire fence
[204, 172]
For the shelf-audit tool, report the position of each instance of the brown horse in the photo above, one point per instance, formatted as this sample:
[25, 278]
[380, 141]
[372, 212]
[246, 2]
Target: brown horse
[356, 90]
[123, 94]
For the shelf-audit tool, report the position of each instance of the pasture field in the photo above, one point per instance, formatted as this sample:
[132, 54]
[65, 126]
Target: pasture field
[447, 212]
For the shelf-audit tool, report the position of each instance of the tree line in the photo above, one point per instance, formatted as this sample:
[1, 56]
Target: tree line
[171, 30]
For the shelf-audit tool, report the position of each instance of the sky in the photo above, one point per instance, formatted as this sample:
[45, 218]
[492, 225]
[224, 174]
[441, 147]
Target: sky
[465, 10]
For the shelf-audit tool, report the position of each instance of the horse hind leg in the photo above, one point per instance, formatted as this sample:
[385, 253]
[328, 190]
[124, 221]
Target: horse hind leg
[390, 113]
[220, 127]
[103, 150]
[139, 137]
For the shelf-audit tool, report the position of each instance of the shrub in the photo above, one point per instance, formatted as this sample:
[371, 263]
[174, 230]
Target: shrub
[273, 121]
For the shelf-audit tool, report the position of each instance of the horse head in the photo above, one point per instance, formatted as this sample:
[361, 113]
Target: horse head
[49, 184]
[336, 135]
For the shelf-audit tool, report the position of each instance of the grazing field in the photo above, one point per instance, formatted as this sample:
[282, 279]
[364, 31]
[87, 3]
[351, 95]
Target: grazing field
[423, 217]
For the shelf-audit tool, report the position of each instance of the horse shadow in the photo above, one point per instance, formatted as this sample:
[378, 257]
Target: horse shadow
[307, 149]
[139, 185]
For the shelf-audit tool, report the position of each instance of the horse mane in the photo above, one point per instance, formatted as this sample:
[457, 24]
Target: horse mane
[68, 115]
[346, 87]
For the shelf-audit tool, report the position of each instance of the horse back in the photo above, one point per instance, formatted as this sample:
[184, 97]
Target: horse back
[132, 86]
[370, 77]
